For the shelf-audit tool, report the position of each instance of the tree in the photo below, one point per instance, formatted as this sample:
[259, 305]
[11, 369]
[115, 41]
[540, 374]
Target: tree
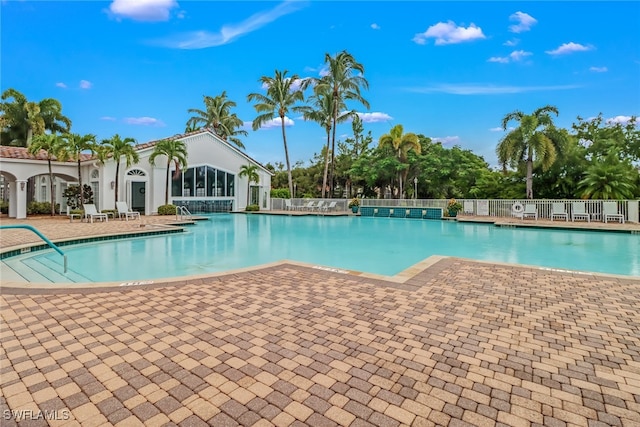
[22, 119]
[217, 115]
[401, 144]
[116, 148]
[282, 94]
[323, 113]
[176, 152]
[344, 81]
[534, 139]
[611, 179]
[251, 172]
[74, 145]
[51, 144]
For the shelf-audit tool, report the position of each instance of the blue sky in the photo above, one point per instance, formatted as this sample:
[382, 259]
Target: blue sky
[447, 70]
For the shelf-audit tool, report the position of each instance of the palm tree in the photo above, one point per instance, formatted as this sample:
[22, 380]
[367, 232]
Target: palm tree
[343, 81]
[323, 115]
[401, 144]
[251, 172]
[535, 139]
[74, 145]
[176, 152]
[22, 119]
[281, 96]
[51, 144]
[609, 179]
[117, 147]
[217, 115]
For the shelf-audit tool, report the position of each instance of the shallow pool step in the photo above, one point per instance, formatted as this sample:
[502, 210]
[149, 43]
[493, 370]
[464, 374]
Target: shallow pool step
[57, 267]
[23, 270]
[39, 270]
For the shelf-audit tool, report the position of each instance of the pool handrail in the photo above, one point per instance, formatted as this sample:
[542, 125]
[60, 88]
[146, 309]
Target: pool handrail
[42, 236]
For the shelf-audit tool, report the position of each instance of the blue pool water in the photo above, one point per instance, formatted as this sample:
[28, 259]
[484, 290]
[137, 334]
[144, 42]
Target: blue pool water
[376, 245]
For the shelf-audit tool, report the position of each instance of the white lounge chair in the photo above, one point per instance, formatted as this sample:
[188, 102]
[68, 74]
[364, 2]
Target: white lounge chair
[468, 207]
[331, 206]
[610, 211]
[309, 206]
[530, 211]
[319, 206]
[123, 210]
[558, 210]
[90, 212]
[287, 205]
[578, 211]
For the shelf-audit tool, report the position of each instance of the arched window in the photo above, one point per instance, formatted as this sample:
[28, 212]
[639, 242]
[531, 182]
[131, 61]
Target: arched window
[95, 174]
[136, 172]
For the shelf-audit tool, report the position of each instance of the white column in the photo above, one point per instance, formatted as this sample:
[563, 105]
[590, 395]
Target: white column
[21, 199]
[12, 199]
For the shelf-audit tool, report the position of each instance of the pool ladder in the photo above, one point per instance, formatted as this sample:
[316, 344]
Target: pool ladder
[183, 213]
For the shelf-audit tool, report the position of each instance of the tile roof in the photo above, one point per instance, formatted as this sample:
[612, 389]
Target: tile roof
[7, 152]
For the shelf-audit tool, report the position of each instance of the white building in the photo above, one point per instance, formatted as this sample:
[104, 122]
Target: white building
[209, 184]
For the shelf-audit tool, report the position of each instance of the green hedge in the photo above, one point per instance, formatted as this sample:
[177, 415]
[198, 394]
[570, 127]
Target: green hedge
[167, 210]
[280, 193]
[252, 208]
[41, 208]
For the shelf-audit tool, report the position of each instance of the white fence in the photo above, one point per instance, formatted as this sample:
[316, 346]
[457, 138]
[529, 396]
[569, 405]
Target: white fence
[483, 207]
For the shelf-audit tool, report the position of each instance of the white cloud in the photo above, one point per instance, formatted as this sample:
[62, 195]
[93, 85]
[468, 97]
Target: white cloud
[486, 89]
[623, 120]
[62, 85]
[446, 139]
[599, 69]
[143, 10]
[108, 118]
[449, 33]
[567, 48]
[374, 117]
[511, 43]
[228, 33]
[85, 84]
[524, 22]
[144, 121]
[515, 56]
[277, 122]
[499, 129]
[375, 26]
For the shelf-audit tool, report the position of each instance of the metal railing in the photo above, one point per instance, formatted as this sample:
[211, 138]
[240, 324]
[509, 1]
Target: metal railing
[42, 236]
[486, 207]
[183, 213]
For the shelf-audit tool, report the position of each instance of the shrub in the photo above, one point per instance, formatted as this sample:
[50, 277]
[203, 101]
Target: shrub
[111, 212]
[72, 193]
[167, 210]
[354, 202]
[4, 207]
[77, 212]
[280, 193]
[252, 208]
[41, 208]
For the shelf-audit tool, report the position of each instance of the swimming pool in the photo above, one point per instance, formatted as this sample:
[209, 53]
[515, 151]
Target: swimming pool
[384, 246]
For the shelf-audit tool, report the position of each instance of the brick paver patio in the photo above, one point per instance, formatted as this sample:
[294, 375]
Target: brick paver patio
[462, 343]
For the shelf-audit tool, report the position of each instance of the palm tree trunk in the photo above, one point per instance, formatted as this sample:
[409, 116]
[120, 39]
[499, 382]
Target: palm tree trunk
[333, 143]
[326, 165]
[248, 189]
[29, 136]
[52, 196]
[286, 155]
[166, 185]
[529, 178]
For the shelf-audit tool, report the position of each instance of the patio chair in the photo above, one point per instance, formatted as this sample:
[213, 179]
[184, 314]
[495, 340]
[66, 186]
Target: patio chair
[331, 206]
[530, 211]
[309, 206]
[578, 211]
[468, 207]
[318, 206]
[287, 205]
[558, 210]
[90, 212]
[123, 210]
[610, 210]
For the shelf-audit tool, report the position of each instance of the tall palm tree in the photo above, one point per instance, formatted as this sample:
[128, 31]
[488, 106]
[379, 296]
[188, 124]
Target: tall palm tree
[51, 144]
[323, 101]
[75, 144]
[344, 81]
[176, 152]
[117, 148]
[535, 139]
[401, 144]
[217, 115]
[22, 119]
[282, 94]
[251, 172]
[610, 178]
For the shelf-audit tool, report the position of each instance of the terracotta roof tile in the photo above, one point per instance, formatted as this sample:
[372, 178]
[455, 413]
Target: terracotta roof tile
[7, 152]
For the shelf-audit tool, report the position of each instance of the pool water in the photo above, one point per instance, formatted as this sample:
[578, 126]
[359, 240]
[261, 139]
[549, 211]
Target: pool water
[376, 245]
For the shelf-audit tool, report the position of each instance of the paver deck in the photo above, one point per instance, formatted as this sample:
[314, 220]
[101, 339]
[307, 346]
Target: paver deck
[461, 343]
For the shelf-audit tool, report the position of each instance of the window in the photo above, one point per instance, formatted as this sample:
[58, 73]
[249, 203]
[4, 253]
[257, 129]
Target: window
[230, 182]
[201, 191]
[211, 181]
[188, 183]
[203, 181]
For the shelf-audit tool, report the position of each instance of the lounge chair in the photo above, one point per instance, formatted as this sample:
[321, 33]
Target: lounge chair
[578, 211]
[319, 206]
[530, 211]
[287, 205]
[468, 207]
[331, 206]
[123, 210]
[558, 210]
[309, 206]
[90, 212]
[610, 210]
